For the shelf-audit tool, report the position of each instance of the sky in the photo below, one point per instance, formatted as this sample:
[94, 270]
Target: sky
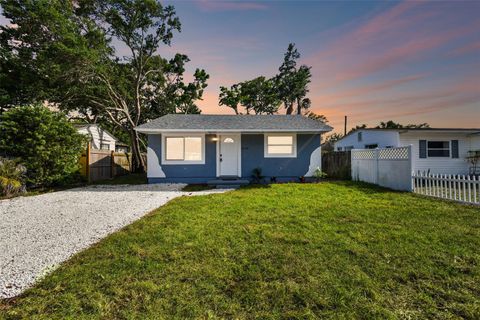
[410, 61]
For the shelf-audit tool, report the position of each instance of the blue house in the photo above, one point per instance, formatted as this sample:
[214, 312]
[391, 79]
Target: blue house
[206, 148]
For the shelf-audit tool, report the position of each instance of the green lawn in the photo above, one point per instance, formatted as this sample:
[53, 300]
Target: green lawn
[329, 250]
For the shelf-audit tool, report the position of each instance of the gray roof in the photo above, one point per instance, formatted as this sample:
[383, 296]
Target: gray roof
[241, 123]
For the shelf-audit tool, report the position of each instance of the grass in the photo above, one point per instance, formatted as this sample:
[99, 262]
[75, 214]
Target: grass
[328, 250]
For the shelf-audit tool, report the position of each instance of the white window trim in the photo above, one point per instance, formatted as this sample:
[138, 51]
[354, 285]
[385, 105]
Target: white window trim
[436, 157]
[277, 155]
[179, 135]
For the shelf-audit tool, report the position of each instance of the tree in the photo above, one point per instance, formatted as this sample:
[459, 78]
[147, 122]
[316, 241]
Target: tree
[292, 83]
[330, 140]
[357, 127]
[393, 125]
[45, 141]
[69, 46]
[258, 95]
[318, 117]
[230, 97]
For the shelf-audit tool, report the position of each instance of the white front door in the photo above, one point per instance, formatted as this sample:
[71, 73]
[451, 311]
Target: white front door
[229, 152]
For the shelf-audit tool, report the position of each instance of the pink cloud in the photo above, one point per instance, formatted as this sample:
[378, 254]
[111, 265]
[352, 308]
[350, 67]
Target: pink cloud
[408, 105]
[467, 49]
[209, 5]
[397, 37]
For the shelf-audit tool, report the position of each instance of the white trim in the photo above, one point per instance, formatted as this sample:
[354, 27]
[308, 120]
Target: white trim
[239, 153]
[217, 155]
[265, 146]
[183, 162]
[239, 162]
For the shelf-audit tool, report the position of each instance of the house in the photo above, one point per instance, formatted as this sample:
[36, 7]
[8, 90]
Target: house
[434, 150]
[100, 139]
[202, 148]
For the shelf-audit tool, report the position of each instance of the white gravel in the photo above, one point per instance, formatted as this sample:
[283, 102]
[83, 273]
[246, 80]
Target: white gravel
[38, 233]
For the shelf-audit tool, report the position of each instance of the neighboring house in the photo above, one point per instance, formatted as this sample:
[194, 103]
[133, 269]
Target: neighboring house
[100, 139]
[121, 147]
[199, 148]
[441, 151]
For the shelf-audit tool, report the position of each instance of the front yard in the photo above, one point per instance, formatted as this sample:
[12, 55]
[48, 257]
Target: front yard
[340, 250]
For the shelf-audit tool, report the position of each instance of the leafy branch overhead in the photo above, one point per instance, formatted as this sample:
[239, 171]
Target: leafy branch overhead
[265, 96]
[99, 59]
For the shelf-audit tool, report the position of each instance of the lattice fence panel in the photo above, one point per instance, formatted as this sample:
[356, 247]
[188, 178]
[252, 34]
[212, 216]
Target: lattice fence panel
[393, 153]
[363, 154]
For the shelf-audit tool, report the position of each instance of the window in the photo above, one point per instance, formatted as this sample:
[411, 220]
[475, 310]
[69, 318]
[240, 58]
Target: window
[359, 136]
[183, 150]
[104, 146]
[371, 146]
[280, 146]
[339, 148]
[438, 149]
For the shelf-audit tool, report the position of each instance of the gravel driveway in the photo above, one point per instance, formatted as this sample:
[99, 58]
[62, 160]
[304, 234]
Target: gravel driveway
[38, 233]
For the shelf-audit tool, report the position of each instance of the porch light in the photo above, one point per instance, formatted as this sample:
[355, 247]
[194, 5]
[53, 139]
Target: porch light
[215, 138]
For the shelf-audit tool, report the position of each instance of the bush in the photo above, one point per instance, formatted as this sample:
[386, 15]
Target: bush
[318, 174]
[12, 178]
[47, 144]
[257, 175]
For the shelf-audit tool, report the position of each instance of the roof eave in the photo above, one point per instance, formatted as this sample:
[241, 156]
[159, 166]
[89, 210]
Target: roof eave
[153, 131]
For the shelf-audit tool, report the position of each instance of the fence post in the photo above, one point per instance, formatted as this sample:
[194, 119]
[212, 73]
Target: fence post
[87, 162]
[112, 164]
[376, 152]
[410, 169]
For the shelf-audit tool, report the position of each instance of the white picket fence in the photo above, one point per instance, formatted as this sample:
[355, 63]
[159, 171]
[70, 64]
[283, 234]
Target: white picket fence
[453, 187]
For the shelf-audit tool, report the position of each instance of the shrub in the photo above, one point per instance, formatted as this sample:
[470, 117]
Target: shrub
[12, 178]
[257, 175]
[47, 144]
[318, 174]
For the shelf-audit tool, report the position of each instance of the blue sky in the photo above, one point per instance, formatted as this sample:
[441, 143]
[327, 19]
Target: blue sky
[373, 61]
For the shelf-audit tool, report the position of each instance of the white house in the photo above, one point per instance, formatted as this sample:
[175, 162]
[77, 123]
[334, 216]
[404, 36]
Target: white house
[441, 151]
[100, 139]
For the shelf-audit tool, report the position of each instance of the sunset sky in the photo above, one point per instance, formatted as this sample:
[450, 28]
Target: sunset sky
[411, 62]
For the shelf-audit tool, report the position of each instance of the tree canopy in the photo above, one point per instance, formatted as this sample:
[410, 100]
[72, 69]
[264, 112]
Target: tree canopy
[264, 96]
[99, 59]
[46, 143]
[258, 96]
[390, 124]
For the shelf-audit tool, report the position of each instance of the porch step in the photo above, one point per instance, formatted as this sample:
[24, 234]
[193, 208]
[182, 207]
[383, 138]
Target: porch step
[228, 183]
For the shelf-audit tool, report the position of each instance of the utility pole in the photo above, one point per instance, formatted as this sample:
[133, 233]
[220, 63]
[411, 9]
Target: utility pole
[345, 127]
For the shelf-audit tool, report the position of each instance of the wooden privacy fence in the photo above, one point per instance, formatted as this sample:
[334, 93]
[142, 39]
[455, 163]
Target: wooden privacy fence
[104, 164]
[337, 164]
[453, 187]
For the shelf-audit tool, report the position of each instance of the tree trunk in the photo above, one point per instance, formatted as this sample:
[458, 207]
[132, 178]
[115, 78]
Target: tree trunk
[138, 163]
[299, 107]
[290, 108]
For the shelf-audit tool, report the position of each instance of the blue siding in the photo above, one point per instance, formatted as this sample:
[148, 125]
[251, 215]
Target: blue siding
[284, 169]
[191, 173]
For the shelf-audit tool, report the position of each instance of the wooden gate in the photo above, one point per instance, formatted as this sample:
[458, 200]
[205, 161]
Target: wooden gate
[337, 164]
